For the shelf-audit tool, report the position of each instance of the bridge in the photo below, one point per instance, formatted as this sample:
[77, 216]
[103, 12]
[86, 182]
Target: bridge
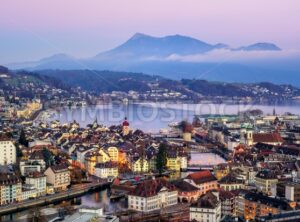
[200, 167]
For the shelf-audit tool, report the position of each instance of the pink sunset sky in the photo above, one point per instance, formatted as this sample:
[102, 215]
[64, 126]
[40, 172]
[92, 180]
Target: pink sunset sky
[32, 29]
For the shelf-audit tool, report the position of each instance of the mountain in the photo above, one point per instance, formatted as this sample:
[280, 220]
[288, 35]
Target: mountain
[264, 46]
[178, 56]
[141, 45]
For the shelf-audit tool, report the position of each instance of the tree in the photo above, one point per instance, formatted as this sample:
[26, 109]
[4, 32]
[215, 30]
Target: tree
[18, 151]
[48, 157]
[22, 139]
[161, 159]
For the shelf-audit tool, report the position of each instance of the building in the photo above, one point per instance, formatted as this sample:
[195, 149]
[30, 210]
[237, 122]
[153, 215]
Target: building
[187, 192]
[267, 138]
[113, 153]
[7, 151]
[38, 180]
[125, 127]
[153, 194]
[105, 170]
[203, 180]
[221, 170]
[173, 161]
[231, 182]
[265, 180]
[257, 205]
[10, 188]
[139, 165]
[207, 208]
[292, 191]
[227, 203]
[58, 176]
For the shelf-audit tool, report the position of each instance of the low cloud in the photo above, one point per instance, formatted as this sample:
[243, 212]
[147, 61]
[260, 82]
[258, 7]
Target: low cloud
[226, 55]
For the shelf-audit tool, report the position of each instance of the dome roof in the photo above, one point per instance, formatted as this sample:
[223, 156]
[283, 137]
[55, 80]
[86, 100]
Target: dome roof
[125, 123]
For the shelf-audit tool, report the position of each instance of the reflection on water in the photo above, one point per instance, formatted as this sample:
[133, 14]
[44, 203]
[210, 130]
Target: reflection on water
[101, 199]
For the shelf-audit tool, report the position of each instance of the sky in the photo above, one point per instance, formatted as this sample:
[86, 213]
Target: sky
[33, 29]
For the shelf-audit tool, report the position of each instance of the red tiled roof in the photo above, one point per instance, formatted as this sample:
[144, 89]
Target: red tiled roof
[267, 137]
[202, 177]
[149, 188]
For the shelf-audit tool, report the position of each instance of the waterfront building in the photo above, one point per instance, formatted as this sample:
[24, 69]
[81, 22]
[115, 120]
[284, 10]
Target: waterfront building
[203, 180]
[58, 176]
[113, 153]
[28, 192]
[29, 109]
[173, 161]
[105, 170]
[153, 194]
[7, 151]
[10, 188]
[207, 208]
[139, 165]
[38, 181]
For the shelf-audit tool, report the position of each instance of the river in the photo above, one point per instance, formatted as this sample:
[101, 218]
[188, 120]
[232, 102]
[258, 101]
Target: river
[152, 117]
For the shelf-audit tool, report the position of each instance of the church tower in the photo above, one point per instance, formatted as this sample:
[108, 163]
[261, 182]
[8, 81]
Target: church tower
[125, 125]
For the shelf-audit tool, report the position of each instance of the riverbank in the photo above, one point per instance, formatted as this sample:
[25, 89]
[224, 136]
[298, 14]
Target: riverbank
[74, 192]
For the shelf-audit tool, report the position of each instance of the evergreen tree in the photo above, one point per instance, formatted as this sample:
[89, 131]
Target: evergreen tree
[161, 160]
[22, 140]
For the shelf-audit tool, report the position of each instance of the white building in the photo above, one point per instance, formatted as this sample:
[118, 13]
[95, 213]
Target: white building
[58, 176]
[38, 180]
[7, 152]
[207, 208]
[105, 170]
[152, 195]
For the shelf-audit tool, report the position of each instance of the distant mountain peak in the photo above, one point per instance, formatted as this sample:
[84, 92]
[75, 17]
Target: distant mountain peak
[139, 35]
[261, 46]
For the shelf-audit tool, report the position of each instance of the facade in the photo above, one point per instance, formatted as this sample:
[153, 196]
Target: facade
[152, 195]
[173, 161]
[58, 176]
[265, 180]
[38, 180]
[7, 152]
[257, 205]
[230, 182]
[207, 208]
[105, 170]
[10, 188]
[227, 203]
[186, 191]
[113, 153]
[292, 191]
[139, 165]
